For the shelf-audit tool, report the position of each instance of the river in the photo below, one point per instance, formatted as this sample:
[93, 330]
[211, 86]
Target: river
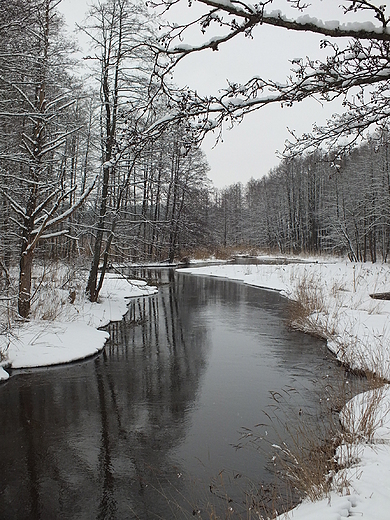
[151, 427]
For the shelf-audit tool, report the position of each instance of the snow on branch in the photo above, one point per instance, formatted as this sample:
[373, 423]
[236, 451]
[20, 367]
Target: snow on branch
[45, 202]
[48, 221]
[359, 66]
[358, 59]
[241, 17]
[55, 234]
[342, 131]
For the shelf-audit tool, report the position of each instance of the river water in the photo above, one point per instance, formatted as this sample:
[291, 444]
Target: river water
[150, 428]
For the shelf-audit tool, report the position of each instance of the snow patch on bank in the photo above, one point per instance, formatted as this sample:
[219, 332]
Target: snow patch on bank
[73, 335]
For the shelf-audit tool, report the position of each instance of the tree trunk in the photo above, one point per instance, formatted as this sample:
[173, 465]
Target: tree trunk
[24, 298]
[91, 288]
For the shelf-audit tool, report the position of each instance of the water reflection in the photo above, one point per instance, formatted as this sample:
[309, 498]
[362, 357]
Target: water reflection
[139, 431]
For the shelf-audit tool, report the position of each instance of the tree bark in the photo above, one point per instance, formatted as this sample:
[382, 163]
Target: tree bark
[24, 299]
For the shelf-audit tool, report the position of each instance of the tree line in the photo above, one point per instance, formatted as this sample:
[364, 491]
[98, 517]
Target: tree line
[316, 203]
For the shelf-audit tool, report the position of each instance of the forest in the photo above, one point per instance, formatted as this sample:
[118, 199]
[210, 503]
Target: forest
[92, 170]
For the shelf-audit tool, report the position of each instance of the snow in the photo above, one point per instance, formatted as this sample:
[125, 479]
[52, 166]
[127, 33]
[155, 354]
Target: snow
[183, 47]
[330, 25]
[74, 334]
[357, 329]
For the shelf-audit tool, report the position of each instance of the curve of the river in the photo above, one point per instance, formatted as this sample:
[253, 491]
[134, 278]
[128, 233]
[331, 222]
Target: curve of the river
[150, 428]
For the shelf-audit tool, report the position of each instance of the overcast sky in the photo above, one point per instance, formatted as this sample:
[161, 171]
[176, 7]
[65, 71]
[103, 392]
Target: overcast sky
[249, 149]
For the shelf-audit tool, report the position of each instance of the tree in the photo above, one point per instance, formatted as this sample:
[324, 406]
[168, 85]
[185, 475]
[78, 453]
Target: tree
[314, 203]
[119, 31]
[35, 101]
[159, 191]
[146, 174]
[357, 63]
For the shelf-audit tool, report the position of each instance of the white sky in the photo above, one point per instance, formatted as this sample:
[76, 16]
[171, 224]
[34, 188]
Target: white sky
[249, 149]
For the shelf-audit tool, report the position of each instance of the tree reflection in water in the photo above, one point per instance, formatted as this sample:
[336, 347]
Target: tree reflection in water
[91, 440]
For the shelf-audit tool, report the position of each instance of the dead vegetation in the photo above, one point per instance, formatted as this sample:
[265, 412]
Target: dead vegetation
[313, 461]
[54, 286]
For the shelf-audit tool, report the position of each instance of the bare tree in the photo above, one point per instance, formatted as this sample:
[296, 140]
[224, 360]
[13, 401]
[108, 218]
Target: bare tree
[34, 106]
[119, 31]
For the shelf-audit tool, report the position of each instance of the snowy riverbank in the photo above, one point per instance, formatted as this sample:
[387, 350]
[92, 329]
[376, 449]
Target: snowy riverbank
[73, 334]
[357, 329]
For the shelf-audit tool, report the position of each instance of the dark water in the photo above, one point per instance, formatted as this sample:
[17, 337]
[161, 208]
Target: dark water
[143, 430]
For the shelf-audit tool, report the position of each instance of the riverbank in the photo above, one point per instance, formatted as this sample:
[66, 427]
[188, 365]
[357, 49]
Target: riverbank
[64, 330]
[336, 304]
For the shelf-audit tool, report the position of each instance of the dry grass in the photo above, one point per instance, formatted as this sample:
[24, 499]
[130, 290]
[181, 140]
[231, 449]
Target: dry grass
[302, 465]
[363, 415]
[308, 305]
[258, 501]
[310, 463]
[324, 312]
[54, 286]
[357, 355]
[310, 467]
[306, 461]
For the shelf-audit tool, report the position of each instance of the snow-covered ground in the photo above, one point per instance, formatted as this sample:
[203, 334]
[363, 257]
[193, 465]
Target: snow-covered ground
[357, 329]
[73, 334]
